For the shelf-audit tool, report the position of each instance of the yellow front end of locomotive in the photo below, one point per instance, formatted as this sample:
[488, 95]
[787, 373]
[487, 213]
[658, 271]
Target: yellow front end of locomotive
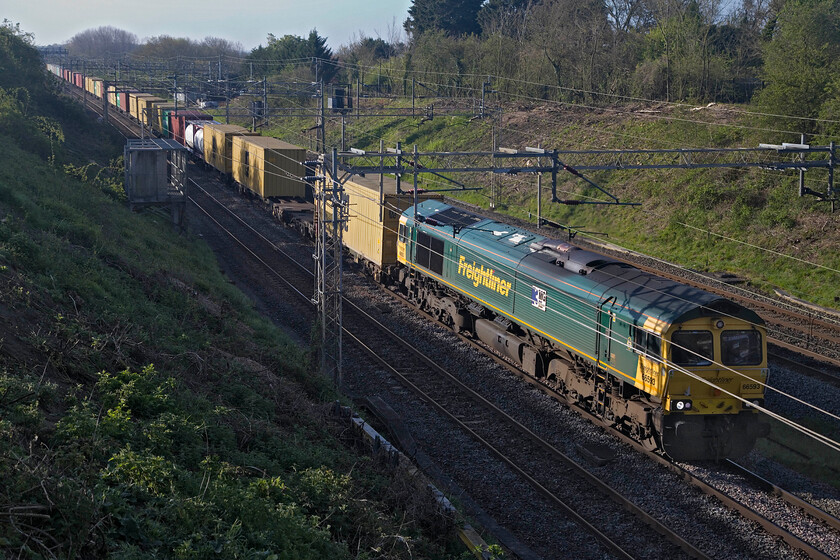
[714, 365]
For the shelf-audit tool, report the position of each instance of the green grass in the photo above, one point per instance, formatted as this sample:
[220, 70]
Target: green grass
[147, 410]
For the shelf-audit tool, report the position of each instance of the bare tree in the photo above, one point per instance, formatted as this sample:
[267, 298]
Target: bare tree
[102, 41]
[508, 17]
[571, 35]
[626, 15]
[215, 46]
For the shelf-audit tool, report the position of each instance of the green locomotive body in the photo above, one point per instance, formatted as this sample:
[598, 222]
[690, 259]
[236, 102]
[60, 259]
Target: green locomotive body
[677, 367]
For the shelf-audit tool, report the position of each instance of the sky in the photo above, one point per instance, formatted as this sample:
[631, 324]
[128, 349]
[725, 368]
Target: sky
[247, 23]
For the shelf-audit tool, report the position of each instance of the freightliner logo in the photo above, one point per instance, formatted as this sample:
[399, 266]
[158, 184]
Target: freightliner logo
[481, 276]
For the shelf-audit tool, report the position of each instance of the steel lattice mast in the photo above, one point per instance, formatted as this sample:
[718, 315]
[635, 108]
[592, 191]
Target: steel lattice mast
[331, 218]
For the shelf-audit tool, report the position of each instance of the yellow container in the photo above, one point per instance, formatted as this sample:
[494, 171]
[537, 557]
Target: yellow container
[268, 167]
[218, 140]
[146, 109]
[134, 103]
[371, 228]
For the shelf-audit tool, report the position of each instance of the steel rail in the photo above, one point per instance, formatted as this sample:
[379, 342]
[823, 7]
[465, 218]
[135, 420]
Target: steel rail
[789, 497]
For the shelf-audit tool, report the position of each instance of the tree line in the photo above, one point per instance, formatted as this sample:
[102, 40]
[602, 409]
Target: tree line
[781, 56]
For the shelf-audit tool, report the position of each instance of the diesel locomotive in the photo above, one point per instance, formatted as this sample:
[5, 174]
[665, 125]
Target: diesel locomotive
[676, 367]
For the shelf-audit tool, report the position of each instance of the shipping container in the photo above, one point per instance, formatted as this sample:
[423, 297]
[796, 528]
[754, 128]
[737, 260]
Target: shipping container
[217, 144]
[269, 167]
[179, 120]
[133, 103]
[160, 118]
[122, 101]
[146, 108]
[373, 219]
[112, 96]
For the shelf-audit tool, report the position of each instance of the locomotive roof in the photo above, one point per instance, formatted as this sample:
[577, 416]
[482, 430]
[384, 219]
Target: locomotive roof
[636, 294]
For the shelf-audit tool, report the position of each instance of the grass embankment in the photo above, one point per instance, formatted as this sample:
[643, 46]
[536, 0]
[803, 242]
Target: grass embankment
[749, 222]
[146, 410]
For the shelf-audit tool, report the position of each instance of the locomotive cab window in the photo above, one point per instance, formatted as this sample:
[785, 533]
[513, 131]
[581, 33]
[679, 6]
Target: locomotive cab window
[692, 348]
[401, 233]
[740, 348]
[647, 343]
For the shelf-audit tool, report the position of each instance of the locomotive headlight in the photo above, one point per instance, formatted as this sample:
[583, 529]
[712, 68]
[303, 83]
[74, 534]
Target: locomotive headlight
[719, 324]
[682, 405]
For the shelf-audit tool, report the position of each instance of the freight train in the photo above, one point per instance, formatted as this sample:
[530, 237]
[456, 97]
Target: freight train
[265, 166]
[677, 368]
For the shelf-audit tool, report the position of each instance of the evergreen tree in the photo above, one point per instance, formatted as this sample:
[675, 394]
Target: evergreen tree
[290, 51]
[801, 62]
[453, 17]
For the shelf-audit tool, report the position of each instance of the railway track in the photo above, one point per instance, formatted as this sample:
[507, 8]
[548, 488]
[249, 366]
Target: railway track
[484, 426]
[793, 500]
[122, 123]
[799, 540]
[821, 372]
[555, 479]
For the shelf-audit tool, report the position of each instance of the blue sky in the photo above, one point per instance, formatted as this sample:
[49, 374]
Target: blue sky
[248, 23]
